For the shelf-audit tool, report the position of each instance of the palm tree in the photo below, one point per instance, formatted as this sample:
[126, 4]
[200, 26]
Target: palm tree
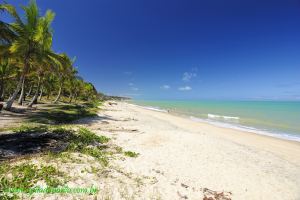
[47, 61]
[45, 58]
[26, 52]
[63, 71]
[26, 45]
[20, 101]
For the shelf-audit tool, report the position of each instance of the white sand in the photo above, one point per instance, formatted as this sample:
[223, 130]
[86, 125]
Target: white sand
[186, 156]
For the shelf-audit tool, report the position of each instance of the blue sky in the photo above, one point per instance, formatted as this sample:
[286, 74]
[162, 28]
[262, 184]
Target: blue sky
[183, 49]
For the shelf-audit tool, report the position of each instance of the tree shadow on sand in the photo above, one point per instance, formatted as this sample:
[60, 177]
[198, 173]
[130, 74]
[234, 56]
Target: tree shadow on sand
[61, 114]
[34, 140]
[37, 141]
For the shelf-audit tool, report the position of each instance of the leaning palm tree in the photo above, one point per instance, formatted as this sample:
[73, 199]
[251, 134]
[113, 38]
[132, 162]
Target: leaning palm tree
[45, 58]
[63, 71]
[26, 44]
[45, 66]
[72, 83]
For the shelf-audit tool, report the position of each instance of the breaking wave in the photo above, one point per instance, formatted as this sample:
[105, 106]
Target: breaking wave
[223, 117]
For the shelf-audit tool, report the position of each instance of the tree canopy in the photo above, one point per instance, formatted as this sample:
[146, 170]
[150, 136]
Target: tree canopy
[29, 67]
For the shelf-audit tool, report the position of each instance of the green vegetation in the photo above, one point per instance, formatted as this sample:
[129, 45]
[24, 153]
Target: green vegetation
[30, 128]
[62, 114]
[29, 68]
[86, 137]
[78, 140]
[82, 141]
[131, 154]
[87, 142]
[25, 176]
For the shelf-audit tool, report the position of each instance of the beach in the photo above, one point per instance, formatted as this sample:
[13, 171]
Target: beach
[191, 160]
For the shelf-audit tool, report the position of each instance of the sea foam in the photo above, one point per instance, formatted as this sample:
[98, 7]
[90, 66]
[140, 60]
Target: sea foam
[223, 117]
[246, 128]
[151, 108]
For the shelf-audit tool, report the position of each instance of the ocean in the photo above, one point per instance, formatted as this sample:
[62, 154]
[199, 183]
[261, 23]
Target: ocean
[274, 118]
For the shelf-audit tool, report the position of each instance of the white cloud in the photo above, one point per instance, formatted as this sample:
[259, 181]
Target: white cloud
[185, 88]
[187, 76]
[134, 88]
[165, 87]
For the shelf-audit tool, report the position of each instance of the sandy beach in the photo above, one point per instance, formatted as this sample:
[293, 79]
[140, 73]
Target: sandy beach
[191, 160]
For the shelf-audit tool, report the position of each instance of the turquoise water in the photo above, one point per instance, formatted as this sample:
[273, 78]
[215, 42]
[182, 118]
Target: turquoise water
[276, 118]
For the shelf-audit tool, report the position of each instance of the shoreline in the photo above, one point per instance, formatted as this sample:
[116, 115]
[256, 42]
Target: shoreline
[248, 129]
[187, 157]
[277, 144]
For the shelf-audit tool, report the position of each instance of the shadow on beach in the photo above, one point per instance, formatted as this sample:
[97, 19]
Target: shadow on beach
[14, 145]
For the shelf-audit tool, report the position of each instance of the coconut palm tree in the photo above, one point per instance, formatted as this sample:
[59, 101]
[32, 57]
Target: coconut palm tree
[26, 45]
[63, 71]
[26, 52]
[45, 59]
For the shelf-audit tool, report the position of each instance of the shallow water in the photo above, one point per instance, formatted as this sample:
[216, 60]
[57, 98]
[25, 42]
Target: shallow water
[275, 118]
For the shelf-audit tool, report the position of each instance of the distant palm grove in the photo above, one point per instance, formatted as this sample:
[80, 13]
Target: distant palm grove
[29, 68]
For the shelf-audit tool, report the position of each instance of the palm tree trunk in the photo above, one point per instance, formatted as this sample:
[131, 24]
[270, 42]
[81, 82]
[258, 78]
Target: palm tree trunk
[58, 95]
[29, 92]
[20, 101]
[41, 94]
[11, 100]
[34, 98]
